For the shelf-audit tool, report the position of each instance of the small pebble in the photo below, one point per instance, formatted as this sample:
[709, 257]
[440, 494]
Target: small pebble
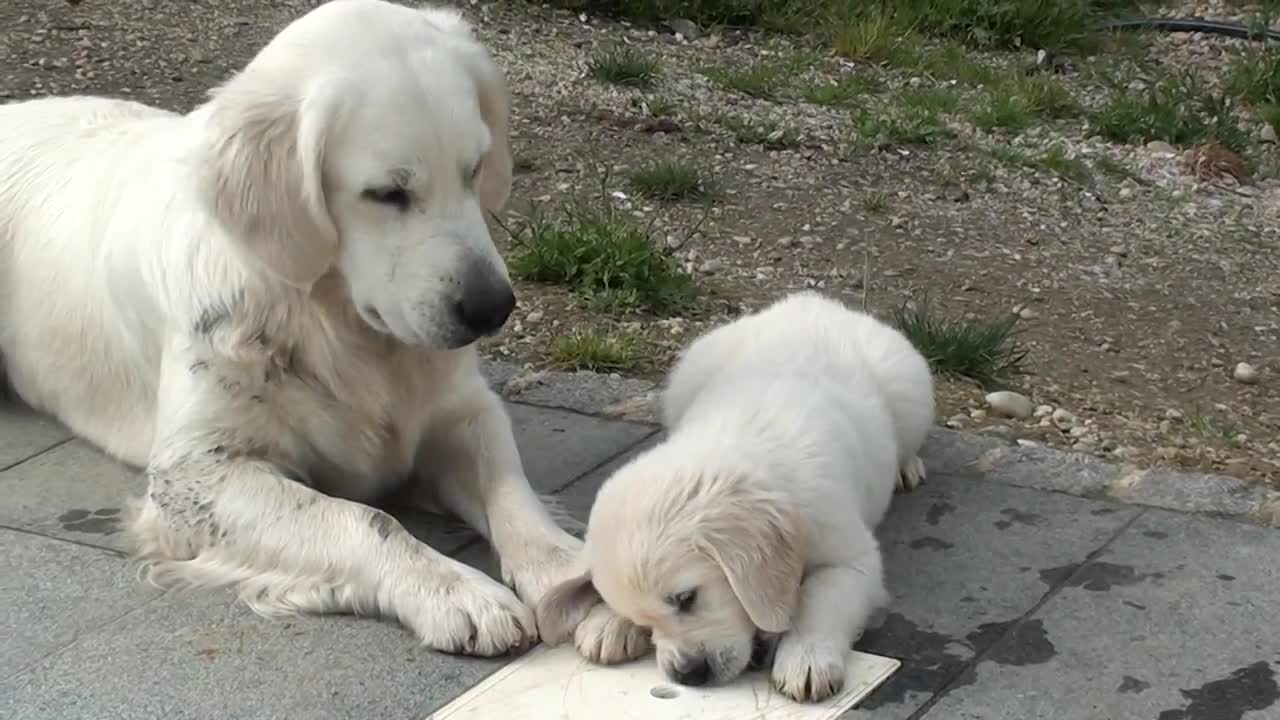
[1063, 419]
[1245, 374]
[1007, 403]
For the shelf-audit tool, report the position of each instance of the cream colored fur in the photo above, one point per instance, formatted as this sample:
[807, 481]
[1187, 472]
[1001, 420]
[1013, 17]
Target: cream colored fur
[270, 305]
[788, 432]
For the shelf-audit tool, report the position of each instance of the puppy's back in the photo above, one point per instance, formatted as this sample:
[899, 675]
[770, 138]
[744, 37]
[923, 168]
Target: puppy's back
[809, 334]
[847, 336]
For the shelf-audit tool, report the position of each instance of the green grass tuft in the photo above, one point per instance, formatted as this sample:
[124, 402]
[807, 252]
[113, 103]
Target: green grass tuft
[1254, 77]
[671, 180]
[909, 126]
[984, 351]
[624, 66]
[598, 351]
[603, 257]
[1178, 110]
[846, 92]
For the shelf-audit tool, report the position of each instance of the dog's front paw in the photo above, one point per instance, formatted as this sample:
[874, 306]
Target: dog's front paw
[911, 475]
[469, 615]
[537, 567]
[606, 638]
[808, 670]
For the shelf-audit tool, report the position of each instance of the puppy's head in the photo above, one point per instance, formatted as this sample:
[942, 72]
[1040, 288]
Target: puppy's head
[706, 559]
[368, 139]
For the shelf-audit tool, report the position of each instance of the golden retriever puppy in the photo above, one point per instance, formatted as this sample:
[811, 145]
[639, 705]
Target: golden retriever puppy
[753, 523]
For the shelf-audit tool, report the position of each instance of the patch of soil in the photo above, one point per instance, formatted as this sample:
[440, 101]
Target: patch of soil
[1139, 294]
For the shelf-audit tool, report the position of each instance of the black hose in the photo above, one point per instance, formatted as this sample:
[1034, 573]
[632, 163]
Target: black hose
[1211, 27]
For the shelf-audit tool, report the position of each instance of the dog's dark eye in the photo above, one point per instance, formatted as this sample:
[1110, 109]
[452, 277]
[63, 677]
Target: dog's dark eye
[397, 197]
[683, 602]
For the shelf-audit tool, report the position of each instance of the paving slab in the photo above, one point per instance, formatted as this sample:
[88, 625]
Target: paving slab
[54, 592]
[964, 559]
[79, 648]
[199, 656]
[1175, 620]
[24, 434]
[72, 491]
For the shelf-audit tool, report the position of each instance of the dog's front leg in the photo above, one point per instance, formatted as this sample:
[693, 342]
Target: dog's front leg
[836, 602]
[470, 459]
[219, 511]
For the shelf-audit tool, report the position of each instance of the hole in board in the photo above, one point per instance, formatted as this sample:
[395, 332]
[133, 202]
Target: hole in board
[664, 692]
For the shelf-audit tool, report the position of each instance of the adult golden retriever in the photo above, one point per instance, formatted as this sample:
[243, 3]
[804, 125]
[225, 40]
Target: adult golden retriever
[270, 304]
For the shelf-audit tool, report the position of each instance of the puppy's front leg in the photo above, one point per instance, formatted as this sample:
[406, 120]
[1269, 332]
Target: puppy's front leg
[835, 604]
[219, 511]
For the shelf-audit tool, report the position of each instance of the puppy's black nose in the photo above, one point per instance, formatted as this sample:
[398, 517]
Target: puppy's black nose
[694, 673]
[483, 310]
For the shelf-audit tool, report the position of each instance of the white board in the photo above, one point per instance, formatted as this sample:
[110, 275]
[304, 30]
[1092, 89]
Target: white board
[557, 684]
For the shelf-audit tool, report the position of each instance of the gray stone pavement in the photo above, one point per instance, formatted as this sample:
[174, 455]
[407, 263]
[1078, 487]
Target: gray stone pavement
[1021, 591]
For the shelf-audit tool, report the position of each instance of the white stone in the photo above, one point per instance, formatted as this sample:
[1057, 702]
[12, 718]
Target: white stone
[1063, 419]
[1007, 403]
[1043, 411]
[1245, 374]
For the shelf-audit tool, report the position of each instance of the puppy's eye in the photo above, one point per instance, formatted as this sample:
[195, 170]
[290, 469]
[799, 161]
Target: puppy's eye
[683, 601]
[396, 197]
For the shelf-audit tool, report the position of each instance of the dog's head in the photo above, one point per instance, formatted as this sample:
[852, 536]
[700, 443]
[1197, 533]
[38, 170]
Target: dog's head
[707, 560]
[368, 139]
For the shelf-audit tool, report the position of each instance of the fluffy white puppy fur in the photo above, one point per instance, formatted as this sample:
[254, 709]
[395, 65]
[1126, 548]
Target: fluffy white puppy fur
[753, 522]
[270, 304]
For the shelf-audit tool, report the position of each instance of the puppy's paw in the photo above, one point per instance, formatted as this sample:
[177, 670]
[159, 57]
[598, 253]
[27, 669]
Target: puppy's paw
[911, 475]
[468, 614]
[606, 638]
[535, 568]
[807, 669]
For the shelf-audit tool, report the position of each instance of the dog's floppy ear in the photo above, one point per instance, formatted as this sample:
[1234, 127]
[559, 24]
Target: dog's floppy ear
[755, 542]
[494, 184]
[563, 608]
[261, 174]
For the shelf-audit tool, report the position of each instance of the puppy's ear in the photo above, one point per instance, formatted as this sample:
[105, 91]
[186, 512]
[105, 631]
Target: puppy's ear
[564, 607]
[756, 543]
[261, 174]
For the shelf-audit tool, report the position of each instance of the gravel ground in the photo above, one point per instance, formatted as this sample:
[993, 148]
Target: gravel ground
[1139, 291]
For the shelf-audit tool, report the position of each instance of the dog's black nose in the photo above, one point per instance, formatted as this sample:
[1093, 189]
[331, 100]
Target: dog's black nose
[693, 674]
[483, 310]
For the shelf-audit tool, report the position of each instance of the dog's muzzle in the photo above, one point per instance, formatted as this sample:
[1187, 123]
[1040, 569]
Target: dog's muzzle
[693, 672]
[486, 303]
